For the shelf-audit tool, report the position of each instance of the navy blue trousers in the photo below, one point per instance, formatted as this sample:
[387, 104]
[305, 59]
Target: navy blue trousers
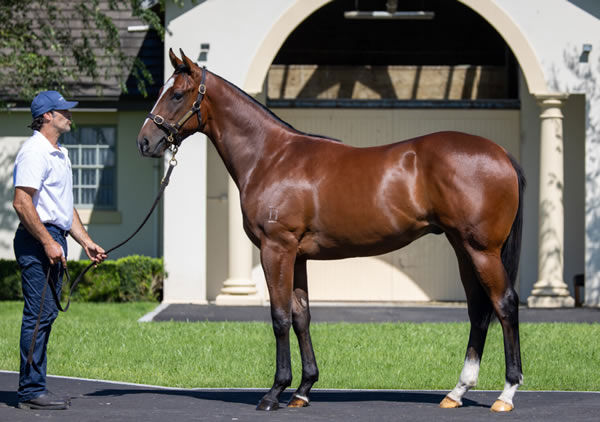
[34, 266]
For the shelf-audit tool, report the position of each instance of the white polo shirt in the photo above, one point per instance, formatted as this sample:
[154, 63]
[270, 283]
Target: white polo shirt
[48, 170]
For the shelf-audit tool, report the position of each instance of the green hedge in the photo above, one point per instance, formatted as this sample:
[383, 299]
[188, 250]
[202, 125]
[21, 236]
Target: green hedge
[129, 279]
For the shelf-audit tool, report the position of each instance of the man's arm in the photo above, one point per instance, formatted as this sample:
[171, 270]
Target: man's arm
[93, 251]
[23, 205]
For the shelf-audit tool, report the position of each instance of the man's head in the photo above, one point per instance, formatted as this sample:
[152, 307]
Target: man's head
[50, 106]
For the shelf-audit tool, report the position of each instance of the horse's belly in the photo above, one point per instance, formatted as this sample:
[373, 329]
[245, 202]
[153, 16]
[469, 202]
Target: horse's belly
[355, 242]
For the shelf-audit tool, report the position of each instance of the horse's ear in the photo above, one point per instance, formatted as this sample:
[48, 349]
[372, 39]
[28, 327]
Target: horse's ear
[186, 61]
[174, 59]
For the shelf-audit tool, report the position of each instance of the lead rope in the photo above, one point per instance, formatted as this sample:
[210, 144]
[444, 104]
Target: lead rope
[49, 282]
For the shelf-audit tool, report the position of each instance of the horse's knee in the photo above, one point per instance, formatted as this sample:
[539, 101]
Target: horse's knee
[282, 321]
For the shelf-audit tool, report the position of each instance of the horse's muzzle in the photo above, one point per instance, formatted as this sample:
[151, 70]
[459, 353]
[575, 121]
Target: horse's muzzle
[148, 151]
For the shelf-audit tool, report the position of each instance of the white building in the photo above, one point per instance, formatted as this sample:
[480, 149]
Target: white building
[520, 73]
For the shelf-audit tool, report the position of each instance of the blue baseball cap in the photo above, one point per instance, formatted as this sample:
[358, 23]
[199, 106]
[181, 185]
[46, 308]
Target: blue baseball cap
[49, 100]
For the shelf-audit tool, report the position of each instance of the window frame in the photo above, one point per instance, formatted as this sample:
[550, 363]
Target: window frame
[80, 147]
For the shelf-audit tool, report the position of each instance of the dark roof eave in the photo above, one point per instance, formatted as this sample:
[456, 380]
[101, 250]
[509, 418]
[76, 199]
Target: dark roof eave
[115, 103]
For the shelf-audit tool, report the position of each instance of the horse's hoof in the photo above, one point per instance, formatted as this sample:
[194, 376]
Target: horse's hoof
[448, 403]
[298, 401]
[268, 405]
[502, 406]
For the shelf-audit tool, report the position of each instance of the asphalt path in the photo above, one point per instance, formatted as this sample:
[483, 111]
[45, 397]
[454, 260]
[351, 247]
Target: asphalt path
[360, 313]
[107, 401]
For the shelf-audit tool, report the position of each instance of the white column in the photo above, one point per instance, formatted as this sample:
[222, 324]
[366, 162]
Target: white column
[592, 198]
[550, 291]
[238, 289]
[184, 225]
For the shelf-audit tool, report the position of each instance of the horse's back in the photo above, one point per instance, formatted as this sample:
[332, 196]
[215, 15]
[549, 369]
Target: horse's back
[449, 142]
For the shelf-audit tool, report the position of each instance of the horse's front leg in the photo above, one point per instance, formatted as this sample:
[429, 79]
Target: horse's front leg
[301, 323]
[278, 266]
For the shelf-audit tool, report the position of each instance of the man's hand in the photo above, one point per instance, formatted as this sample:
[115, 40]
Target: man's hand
[81, 236]
[55, 253]
[95, 252]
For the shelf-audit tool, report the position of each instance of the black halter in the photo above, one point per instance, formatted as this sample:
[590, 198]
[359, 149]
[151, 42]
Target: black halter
[173, 130]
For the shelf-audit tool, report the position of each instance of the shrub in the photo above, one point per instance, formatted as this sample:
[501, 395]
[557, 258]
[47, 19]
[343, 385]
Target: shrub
[128, 279]
[10, 280]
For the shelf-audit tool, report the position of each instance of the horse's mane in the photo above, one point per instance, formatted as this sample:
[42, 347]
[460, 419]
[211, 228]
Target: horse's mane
[182, 68]
[273, 115]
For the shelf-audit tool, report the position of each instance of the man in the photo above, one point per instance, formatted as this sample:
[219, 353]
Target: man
[44, 203]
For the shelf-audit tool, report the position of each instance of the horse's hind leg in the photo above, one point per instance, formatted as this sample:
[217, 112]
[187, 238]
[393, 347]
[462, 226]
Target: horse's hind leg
[480, 312]
[278, 264]
[301, 323]
[493, 277]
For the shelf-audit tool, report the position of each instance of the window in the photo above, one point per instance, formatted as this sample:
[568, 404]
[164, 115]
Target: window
[92, 155]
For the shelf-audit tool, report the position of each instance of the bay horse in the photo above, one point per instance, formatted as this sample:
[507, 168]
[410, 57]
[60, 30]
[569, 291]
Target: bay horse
[309, 197]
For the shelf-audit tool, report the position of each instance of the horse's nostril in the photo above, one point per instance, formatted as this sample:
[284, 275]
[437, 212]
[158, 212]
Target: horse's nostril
[143, 145]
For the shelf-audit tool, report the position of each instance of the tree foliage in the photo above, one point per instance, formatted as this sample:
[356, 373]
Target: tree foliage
[43, 46]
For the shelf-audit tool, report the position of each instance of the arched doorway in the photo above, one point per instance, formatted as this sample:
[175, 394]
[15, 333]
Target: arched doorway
[487, 9]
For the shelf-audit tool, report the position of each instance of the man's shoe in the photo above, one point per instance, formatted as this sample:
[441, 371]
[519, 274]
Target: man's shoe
[45, 401]
[66, 398]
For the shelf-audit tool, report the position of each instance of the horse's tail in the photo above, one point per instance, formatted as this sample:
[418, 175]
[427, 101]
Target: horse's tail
[511, 250]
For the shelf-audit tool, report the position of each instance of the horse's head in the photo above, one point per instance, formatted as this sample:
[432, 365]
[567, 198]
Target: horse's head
[175, 115]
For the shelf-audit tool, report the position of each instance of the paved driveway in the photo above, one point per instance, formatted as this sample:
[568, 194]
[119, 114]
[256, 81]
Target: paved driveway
[104, 401]
[362, 313]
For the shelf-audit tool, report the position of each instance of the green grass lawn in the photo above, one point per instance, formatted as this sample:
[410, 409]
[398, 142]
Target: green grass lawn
[105, 341]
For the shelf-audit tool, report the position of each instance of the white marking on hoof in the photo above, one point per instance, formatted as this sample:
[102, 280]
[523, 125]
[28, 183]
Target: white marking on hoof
[303, 398]
[509, 392]
[468, 380]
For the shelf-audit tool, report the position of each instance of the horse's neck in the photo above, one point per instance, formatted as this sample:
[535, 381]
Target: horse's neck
[239, 128]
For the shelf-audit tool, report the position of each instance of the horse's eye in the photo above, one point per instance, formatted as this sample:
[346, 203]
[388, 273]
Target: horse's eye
[178, 95]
